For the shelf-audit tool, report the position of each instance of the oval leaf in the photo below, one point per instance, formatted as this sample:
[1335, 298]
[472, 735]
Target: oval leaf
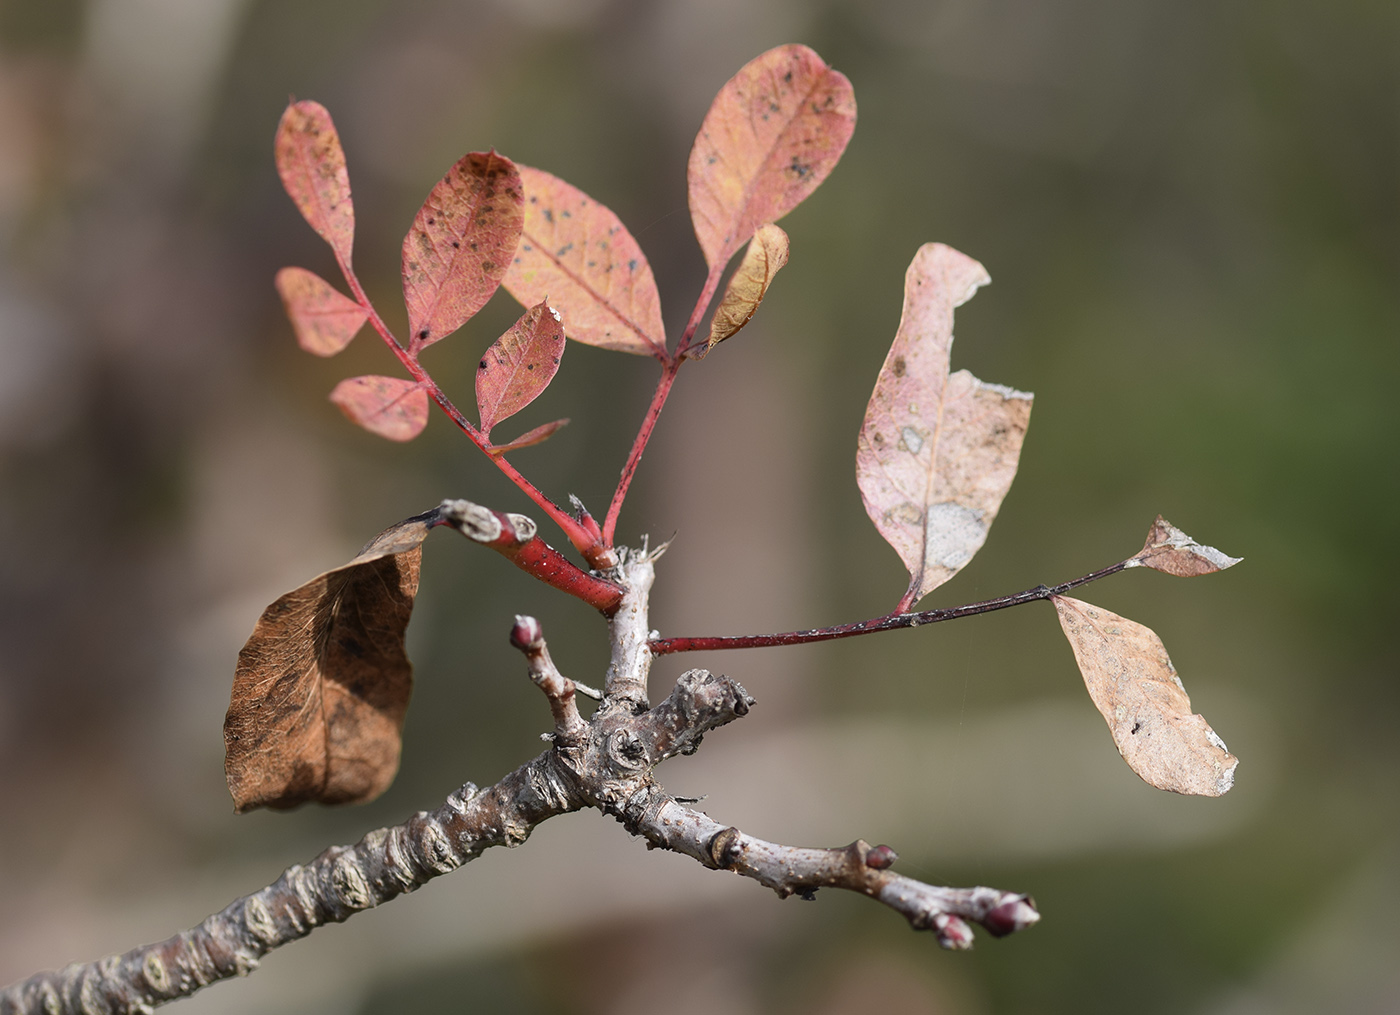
[321, 687]
[1135, 687]
[773, 133]
[519, 366]
[324, 319]
[767, 253]
[460, 245]
[936, 453]
[388, 406]
[579, 254]
[529, 438]
[1172, 551]
[312, 166]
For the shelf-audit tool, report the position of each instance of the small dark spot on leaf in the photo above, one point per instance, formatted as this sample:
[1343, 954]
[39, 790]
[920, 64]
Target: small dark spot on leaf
[481, 365]
[529, 366]
[549, 215]
[899, 367]
[432, 222]
[423, 333]
[456, 245]
[1136, 726]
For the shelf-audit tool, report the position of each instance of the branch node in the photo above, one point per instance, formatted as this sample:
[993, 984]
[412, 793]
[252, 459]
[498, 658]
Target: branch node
[725, 848]
[881, 858]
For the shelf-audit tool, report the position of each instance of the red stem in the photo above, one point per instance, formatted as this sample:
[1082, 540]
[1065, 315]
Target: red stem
[670, 366]
[889, 622]
[581, 538]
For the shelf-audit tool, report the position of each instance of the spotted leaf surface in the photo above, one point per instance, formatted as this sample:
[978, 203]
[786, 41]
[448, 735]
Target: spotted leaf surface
[460, 245]
[312, 166]
[577, 253]
[937, 451]
[519, 365]
[773, 134]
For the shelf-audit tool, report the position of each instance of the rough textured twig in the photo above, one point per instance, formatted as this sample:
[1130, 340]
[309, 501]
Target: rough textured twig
[606, 761]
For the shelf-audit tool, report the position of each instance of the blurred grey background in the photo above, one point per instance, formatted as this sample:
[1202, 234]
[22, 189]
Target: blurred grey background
[1192, 214]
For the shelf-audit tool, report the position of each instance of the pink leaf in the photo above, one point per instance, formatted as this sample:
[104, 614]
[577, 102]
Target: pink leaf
[529, 438]
[312, 166]
[519, 366]
[388, 406]
[773, 133]
[325, 320]
[579, 254]
[460, 245]
[1136, 689]
[936, 453]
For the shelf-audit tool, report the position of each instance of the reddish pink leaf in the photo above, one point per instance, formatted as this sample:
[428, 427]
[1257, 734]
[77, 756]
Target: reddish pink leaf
[325, 320]
[323, 683]
[460, 245]
[388, 406]
[312, 166]
[773, 133]
[936, 453]
[1136, 689]
[1172, 551]
[579, 254]
[529, 438]
[519, 366]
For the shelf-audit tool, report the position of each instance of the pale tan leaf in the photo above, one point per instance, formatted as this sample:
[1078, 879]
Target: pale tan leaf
[767, 253]
[1172, 551]
[321, 687]
[1135, 686]
[936, 453]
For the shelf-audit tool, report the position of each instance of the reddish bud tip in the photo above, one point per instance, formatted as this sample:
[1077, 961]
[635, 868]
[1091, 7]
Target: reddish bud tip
[1016, 912]
[953, 933]
[526, 634]
[881, 858]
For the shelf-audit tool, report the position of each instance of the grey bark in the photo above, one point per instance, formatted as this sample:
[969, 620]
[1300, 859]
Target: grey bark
[605, 762]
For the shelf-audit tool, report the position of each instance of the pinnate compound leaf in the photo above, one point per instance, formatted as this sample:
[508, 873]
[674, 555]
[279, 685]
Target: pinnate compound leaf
[312, 166]
[937, 452]
[519, 365]
[460, 245]
[1135, 686]
[579, 254]
[767, 253]
[773, 134]
[321, 687]
[529, 438]
[388, 406]
[1172, 551]
[324, 319]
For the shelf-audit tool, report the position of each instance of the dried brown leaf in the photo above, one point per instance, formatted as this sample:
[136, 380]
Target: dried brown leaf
[324, 319]
[767, 253]
[460, 245]
[388, 406]
[312, 166]
[1135, 686]
[529, 438]
[321, 687]
[1172, 551]
[937, 452]
[519, 365]
[773, 134]
[579, 254]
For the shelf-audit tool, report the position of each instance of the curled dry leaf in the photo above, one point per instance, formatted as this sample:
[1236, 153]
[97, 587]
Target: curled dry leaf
[388, 406]
[1172, 551]
[579, 254]
[460, 245]
[325, 320]
[312, 166]
[767, 253]
[936, 453]
[773, 133]
[529, 438]
[322, 685]
[1135, 686]
[519, 365]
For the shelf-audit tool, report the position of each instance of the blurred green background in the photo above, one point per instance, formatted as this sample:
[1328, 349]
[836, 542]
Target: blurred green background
[1192, 214]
